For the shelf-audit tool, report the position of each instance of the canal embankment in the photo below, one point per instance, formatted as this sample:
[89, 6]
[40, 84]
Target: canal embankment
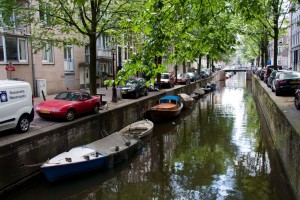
[282, 120]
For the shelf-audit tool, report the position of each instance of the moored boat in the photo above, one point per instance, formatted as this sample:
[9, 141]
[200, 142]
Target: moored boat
[168, 107]
[103, 153]
[197, 93]
[186, 100]
[138, 129]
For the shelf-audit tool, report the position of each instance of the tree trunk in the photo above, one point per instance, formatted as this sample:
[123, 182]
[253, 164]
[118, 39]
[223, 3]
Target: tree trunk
[276, 34]
[199, 63]
[207, 61]
[183, 67]
[92, 69]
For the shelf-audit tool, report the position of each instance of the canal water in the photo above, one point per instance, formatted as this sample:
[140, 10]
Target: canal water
[217, 150]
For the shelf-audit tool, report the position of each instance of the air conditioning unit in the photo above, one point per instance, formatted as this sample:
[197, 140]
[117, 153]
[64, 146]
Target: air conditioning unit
[41, 87]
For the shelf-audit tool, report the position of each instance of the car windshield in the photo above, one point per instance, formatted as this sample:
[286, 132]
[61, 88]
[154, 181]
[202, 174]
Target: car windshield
[180, 75]
[290, 75]
[131, 83]
[165, 76]
[69, 96]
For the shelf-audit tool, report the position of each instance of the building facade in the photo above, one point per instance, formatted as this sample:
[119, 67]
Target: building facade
[283, 52]
[295, 40]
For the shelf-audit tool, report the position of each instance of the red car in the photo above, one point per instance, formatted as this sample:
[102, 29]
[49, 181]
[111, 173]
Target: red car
[68, 104]
[183, 78]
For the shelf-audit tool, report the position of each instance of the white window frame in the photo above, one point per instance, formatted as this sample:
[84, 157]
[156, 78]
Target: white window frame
[48, 54]
[69, 61]
[20, 49]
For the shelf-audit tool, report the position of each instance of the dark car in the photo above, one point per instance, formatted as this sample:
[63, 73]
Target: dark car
[204, 74]
[183, 78]
[286, 82]
[272, 77]
[261, 73]
[134, 87]
[269, 70]
[193, 76]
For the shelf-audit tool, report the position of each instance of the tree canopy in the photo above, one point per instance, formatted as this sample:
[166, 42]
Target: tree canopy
[161, 32]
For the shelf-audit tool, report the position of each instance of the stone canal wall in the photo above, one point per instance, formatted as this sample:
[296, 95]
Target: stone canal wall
[20, 159]
[284, 130]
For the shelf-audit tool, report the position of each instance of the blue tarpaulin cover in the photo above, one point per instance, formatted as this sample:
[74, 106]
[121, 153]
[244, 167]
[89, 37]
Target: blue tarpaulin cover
[169, 98]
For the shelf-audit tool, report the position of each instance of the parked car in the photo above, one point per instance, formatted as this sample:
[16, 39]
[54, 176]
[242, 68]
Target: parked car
[167, 80]
[183, 78]
[297, 99]
[272, 77]
[193, 76]
[268, 71]
[16, 105]
[286, 82]
[204, 73]
[134, 87]
[261, 74]
[68, 104]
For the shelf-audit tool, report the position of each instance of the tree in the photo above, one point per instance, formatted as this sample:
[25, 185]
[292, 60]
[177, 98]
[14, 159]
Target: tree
[270, 14]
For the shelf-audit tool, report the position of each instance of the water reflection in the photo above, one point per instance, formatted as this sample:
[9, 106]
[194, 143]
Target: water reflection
[216, 150]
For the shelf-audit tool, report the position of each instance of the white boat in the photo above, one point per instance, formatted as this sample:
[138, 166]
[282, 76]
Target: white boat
[187, 100]
[138, 129]
[197, 93]
[103, 153]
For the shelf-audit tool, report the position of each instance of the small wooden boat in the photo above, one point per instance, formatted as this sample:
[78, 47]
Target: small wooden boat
[138, 129]
[167, 108]
[103, 153]
[186, 100]
[197, 93]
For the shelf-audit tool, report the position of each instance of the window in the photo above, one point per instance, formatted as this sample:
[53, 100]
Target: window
[68, 59]
[22, 50]
[16, 49]
[44, 13]
[1, 50]
[48, 55]
[87, 54]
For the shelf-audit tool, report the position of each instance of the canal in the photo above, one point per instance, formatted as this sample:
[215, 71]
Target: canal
[217, 150]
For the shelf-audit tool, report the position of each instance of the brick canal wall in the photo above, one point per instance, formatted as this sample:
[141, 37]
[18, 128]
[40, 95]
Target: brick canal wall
[20, 159]
[284, 130]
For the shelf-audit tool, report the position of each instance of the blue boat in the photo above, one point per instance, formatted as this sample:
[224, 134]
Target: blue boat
[76, 161]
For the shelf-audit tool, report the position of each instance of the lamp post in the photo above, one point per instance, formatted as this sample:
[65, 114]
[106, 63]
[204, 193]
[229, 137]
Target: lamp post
[114, 90]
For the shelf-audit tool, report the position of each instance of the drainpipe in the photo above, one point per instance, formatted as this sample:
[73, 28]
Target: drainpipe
[32, 66]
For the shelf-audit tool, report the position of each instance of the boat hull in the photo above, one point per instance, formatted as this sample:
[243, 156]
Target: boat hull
[54, 173]
[162, 115]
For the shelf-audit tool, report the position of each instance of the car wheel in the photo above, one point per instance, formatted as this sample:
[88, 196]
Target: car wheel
[96, 109]
[146, 93]
[137, 95]
[23, 124]
[70, 115]
[297, 103]
[277, 92]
